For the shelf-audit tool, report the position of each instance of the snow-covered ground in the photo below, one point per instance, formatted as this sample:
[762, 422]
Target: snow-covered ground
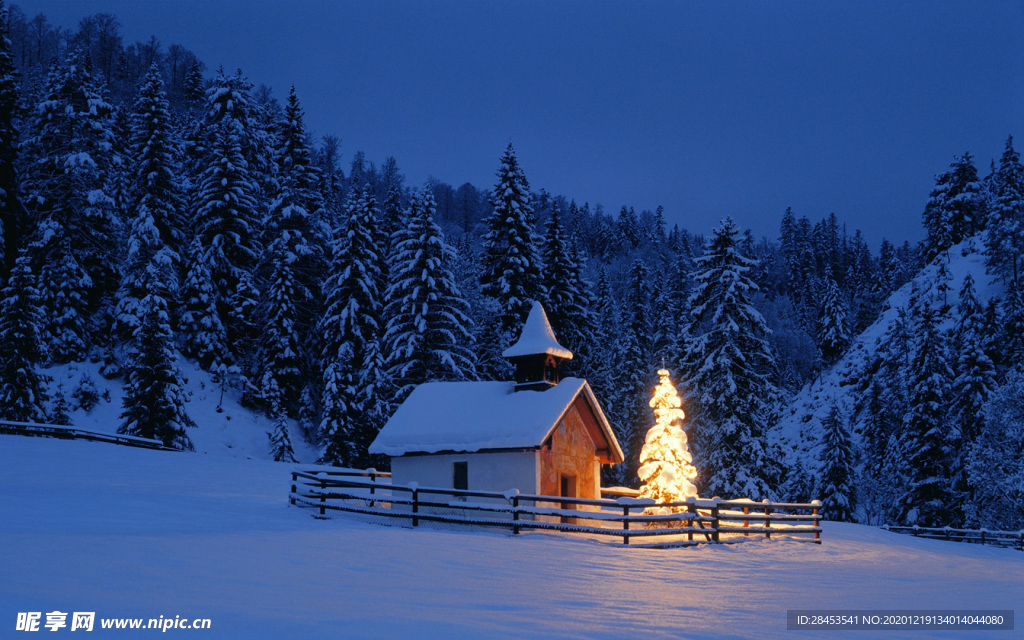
[223, 425]
[126, 533]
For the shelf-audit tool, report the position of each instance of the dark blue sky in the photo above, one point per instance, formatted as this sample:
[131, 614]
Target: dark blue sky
[710, 109]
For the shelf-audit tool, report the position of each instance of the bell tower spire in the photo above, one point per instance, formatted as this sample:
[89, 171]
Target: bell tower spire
[537, 356]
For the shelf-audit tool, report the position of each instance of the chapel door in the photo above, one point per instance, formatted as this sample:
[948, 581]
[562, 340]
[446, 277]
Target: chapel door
[567, 489]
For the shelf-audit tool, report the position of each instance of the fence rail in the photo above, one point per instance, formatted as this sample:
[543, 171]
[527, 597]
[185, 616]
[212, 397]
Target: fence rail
[630, 519]
[70, 433]
[1011, 539]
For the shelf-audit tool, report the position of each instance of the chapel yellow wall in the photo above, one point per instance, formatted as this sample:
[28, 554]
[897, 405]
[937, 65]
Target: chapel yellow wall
[570, 450]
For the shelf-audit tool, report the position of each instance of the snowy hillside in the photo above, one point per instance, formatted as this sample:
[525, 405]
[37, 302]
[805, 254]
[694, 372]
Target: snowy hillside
[223, 426]
[801, 424]
[125, 533]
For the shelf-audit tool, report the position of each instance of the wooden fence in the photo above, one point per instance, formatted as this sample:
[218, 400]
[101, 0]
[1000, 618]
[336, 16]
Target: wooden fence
[690, 522]
[1012, 539]
[70, 433]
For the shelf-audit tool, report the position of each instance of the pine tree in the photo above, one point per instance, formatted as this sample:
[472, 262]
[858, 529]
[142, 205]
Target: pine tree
[351, 329]
[295, 223]
[929, 500]
[1011, 336]
[566, 300]
[280, 362]
[68, 161]
[63, 286]
[201, 332]
[955, 209]
[833, 328]
[230, 104]
[227, 228]
[996, 462]
[632, 377]
[154, 400]
[157, 225]
[666, 466]
[511, 264]
[23, 394]
[1004, 242]
[13, 221]
[603, 372]
[280, 442]
[427, 333]
[838, 495]
[729, 367]
[975, 372]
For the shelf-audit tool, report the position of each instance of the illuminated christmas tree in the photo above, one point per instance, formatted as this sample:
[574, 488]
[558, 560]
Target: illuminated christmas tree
[666, 466]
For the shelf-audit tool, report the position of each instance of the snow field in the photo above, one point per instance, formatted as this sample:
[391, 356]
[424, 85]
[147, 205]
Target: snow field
[125, 532]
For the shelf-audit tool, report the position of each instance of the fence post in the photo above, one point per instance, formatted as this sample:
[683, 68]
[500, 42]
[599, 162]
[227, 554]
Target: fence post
[625, 524]
[767, 520]
[814, 512]
[415, 507]
[692, 510]
[714, 519]
[323, 496]
[1021, 547]
[515, 515]
[291, 498]
[746, 523]
[982, 536]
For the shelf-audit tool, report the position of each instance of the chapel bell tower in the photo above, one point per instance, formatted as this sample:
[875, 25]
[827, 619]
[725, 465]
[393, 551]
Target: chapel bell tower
[537, 356]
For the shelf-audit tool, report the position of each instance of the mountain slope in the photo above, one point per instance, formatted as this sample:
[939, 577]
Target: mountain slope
[800, 427]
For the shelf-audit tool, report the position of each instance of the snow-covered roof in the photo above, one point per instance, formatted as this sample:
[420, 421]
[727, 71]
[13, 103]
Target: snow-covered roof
[477, 416]
[537, 337]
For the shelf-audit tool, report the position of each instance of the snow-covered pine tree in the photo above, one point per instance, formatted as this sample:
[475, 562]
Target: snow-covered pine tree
[351, 332]
[60, 412]
[157, 209]
[427, 333]
[955, 209]
[393, 217]
[928, 437]
[230, 102]
[666, 466]
[799, 485]
[603, 372]
[566, 300]
[23, 395]
[226, 224]
[729, 368]
[669, 304]
[280, 441]
[243, 319]
[154, 397]
[331, 179]
[1011, 338]
[632, 377]
[280, 363]
[996, 464]
[200, 330]
[511, 263]
[833, 325]
[68, 159]
[838, 492]
[296, 218]
[1004, 243]
[13, 222]
[975, 372]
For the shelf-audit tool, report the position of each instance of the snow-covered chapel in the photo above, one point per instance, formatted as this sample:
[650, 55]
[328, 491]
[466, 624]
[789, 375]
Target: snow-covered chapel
[541, 434]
